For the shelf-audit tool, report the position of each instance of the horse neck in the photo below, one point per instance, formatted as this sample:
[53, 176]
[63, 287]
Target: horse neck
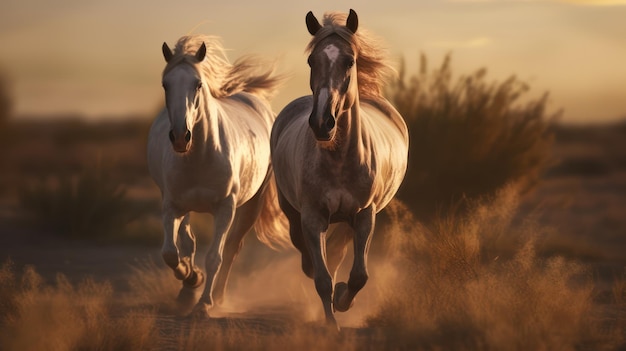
[349, 127]
[206, 129]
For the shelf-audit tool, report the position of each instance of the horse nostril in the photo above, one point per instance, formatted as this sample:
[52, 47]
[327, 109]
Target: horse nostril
[330, 123]
[171, 135]
[187, 136]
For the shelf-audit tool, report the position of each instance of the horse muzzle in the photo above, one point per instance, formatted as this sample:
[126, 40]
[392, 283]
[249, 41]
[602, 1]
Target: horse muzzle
[323, 127]
[180, 141]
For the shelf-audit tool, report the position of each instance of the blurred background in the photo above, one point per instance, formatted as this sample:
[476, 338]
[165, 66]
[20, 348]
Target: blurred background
[102, 60]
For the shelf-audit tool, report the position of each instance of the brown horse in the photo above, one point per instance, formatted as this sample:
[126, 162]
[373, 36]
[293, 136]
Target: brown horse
[339, 155]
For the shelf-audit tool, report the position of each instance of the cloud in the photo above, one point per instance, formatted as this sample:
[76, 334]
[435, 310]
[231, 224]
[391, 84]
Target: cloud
[464, 44]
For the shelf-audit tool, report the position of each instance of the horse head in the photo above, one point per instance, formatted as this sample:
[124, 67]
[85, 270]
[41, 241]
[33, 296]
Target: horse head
[333, 74]
[182, 84]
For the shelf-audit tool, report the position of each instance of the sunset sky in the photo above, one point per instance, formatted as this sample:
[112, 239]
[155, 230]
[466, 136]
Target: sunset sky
[103, 58]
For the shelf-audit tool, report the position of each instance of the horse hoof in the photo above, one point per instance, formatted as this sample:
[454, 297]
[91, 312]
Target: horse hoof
[195, 279]
[182, 272]
[340, 300]
[200, 311]
[186, 299]
[332, 325]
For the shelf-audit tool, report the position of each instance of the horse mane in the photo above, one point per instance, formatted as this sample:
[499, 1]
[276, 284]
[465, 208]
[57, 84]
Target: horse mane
[372, 64]
[224, 78]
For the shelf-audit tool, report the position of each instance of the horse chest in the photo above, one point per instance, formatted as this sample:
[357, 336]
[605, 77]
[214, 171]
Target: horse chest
[346, 191]
[198, 188]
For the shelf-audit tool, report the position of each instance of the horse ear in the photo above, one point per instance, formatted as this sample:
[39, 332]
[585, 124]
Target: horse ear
[167, 53]
[312, 24]
[201, 53]
[353, 21]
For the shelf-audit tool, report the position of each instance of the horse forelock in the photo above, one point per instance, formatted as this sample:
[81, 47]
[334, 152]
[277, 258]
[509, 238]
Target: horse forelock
[222, 77]
[372, 64]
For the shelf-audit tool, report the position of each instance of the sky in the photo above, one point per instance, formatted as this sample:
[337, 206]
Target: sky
[103, 59]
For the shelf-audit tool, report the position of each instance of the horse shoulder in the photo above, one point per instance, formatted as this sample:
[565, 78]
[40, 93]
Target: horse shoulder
[389, 152]
[246, 123]
[246, 118]
[289, 113]
[387, 109]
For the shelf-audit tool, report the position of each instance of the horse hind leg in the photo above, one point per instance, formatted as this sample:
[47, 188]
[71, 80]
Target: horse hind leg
[337, 247]
[223, 217]
[344, 293]
[245, 217]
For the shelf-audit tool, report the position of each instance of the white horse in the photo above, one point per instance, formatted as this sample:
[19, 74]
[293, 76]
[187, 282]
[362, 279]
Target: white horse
[208, 151]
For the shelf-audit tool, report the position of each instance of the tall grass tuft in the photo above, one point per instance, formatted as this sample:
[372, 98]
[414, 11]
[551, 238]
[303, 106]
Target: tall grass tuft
[469, 136]
[474, 282]
[36, 316]
[91, 204]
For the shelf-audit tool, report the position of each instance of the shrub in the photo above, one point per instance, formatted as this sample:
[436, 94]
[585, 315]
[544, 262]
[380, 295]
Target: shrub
[91, 204]
[467, 138]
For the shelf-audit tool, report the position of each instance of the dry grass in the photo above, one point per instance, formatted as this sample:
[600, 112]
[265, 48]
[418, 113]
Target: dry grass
[91, 316]
[64, 317]
[465, 284]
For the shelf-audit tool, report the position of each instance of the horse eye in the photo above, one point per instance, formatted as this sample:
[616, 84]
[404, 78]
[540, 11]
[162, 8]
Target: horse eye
[199, 86]
[350, 63]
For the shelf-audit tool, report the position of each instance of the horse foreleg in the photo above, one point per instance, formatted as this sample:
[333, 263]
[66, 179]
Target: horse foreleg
[187, 245]
[223, 220]
[297, 239]
[314, 229]
[187, 295]
[295, 233]
[363, 225]
[171, 225]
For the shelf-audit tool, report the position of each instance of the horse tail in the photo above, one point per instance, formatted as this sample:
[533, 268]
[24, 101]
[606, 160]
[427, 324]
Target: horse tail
[272, 226]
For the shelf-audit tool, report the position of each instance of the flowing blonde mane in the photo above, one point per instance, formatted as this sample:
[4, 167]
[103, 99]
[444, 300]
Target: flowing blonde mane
[371, 61]
[247, 74]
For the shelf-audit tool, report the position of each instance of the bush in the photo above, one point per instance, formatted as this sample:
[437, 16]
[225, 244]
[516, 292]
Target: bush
[467, 138]
[88, 205]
